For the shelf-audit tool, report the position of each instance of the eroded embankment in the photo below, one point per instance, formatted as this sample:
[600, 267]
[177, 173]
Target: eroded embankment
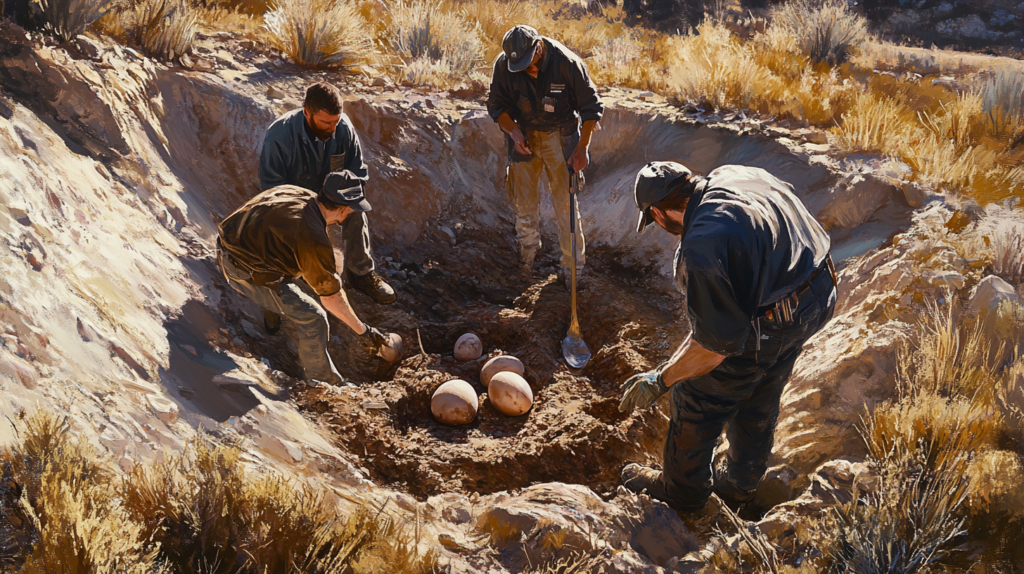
[179, 151]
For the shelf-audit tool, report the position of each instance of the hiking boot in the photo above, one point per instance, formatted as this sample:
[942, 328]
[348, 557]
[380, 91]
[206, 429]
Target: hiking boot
[638, 478]
[374, 286]
[740, 502]
[271, 322]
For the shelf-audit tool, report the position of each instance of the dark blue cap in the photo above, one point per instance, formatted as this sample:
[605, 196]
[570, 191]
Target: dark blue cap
[345, 188]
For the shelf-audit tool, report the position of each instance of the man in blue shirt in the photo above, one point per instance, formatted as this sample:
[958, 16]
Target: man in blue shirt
[303, 146]
[759, 282]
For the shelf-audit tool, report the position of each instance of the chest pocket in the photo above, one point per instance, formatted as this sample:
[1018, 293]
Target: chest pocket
[556, 99]
[338, 161]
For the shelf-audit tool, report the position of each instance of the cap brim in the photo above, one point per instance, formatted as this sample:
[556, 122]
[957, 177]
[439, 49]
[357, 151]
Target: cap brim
[361, 205]
[524, 62]
[645, 219]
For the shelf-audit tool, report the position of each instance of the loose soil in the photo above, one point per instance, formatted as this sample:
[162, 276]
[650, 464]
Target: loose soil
[574, 432]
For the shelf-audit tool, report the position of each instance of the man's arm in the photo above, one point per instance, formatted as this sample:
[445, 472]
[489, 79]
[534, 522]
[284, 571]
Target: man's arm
[509, 126]
[354, 156]
[689, 361]
[339, 306]
[273, 163]
[590, 108]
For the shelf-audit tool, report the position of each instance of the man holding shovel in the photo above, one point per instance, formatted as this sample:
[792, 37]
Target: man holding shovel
[540, 94]
[759, 282]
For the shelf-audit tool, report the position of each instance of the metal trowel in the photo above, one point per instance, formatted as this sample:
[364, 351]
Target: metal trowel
[574, 349]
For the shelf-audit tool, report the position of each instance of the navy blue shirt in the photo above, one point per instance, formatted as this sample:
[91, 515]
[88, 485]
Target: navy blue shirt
[292, 155]
[748, 241]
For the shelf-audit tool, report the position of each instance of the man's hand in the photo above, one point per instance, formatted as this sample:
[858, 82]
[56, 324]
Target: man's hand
[520, 141]
[580, 158]
[641, 390]
[372, 340]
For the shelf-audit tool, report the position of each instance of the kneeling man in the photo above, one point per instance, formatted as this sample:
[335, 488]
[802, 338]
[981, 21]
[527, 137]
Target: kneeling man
[280, 236]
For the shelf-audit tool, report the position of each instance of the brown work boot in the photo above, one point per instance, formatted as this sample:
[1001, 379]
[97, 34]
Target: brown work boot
[374, 286]
[638, 478]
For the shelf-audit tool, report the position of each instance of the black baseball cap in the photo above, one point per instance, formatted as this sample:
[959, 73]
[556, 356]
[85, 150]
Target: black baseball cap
[520, 44]
[654, 182]
[345, 188]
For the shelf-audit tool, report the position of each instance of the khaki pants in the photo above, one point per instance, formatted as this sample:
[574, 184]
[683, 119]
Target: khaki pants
[305, 313]
[523, 179]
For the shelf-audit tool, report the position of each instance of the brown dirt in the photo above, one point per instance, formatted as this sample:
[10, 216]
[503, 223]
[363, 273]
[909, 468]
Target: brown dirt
[574, 432]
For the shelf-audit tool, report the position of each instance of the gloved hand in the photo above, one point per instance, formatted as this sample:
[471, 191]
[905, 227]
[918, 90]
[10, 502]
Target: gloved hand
[372, 340]
[641, 390]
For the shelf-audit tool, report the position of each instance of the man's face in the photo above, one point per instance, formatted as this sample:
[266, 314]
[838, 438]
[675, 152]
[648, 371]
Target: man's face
[534, 66]
[664, 221]
[322, 123]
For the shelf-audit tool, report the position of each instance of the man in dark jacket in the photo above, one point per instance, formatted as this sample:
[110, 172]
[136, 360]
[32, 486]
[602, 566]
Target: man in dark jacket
[759, 282]
[301, 147]
[281, 235]
[540, 93]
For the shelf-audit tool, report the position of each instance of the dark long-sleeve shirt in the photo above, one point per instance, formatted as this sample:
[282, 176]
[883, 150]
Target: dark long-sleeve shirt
[563, 79]
[292, 155]
[748, 241]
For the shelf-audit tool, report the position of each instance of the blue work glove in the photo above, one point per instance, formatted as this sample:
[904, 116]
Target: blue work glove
[641, 390]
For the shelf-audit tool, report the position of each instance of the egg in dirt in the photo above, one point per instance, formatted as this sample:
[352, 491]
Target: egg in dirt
[468, 347]
[499, 364]
[454, 403]
[391, 350]
[510, 393]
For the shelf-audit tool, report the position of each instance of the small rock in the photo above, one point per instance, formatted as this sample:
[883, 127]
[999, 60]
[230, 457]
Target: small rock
[235, 377]
[276, 94]
[164, 409]
[374, 405]
[261, 409]
[816, 137]
[88, 47]
[379, 82]
[248, 44]
[250, 329]
[447, 231]
[953, 280]
[457, 514]
[204, 65]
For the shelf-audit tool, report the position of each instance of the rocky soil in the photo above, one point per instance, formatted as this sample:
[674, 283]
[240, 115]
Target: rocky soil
[116, 169]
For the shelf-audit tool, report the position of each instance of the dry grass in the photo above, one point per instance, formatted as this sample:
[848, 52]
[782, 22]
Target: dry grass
[827, 31]
[437, 44]
[62, 510]
[164, 29]
[318, 33]
[66, 19]
[1008, 255]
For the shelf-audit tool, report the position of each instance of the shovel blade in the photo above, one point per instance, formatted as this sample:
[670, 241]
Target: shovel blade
[575, 351]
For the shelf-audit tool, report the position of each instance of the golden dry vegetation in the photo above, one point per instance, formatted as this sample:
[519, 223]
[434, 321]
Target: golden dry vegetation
[64, 509]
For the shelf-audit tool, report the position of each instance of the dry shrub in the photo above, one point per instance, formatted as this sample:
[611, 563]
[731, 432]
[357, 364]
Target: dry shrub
[66, 19]
[953, 357]
[210, 515]
[874, 123]
[997, 484]
[1010, 399]
[576, 563]
[319, 33]
[826, 30]
[58, 512]
[1003, 100]
[910, 521]
[438, 46]
[1008, 255]
[163, 29]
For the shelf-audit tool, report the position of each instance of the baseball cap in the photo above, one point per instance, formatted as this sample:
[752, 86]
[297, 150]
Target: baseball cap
[345, 188]
[654, 182]
[520, 44]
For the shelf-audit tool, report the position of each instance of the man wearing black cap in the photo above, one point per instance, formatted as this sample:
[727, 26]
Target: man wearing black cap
[301, 147]
[281, 235]
[759, 282]
[540, 93]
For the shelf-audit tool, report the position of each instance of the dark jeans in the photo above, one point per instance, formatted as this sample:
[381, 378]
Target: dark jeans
[355, 233]
[743, 391]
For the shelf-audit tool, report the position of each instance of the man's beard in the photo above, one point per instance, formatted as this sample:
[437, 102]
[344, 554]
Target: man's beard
[321, 134]
[673, 227]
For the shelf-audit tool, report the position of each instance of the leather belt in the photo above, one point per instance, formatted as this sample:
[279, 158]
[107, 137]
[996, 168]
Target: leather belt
[781, 313]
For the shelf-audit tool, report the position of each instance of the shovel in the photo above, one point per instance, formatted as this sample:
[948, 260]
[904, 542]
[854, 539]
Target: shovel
[574, 349]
